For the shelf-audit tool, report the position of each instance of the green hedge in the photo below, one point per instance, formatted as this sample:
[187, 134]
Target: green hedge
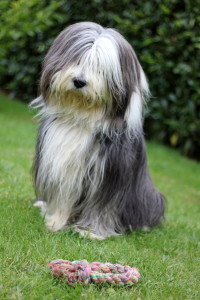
[165, 35]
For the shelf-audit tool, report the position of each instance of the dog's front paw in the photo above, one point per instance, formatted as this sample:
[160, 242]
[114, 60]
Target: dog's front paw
[55, 222]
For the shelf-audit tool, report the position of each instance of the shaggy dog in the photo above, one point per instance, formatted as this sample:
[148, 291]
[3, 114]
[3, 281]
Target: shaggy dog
[90, 167]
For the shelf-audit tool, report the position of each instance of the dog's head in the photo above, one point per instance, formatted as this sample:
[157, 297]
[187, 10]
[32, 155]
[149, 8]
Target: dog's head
[93, 66]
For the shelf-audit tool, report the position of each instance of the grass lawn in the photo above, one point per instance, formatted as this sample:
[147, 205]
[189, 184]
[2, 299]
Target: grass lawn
[167, 257]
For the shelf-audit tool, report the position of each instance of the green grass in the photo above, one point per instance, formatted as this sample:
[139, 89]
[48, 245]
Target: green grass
[167, 256]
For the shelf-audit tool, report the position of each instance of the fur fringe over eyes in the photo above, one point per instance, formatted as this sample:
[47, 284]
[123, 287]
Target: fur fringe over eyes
[90, 168]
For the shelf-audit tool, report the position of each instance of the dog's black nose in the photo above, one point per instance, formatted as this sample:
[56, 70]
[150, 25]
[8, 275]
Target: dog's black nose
[79, 82]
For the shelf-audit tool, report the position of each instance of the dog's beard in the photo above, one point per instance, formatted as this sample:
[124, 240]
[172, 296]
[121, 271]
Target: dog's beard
[78, 100]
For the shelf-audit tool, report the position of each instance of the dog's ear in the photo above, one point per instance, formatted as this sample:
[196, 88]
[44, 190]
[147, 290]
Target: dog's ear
[135, 107]
[135, 86]
[134, 79]
[130, 68]
[56, 58]
[130, 74]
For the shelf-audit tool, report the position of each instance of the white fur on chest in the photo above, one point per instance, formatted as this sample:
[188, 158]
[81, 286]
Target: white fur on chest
[64, 151]
[69, 151]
